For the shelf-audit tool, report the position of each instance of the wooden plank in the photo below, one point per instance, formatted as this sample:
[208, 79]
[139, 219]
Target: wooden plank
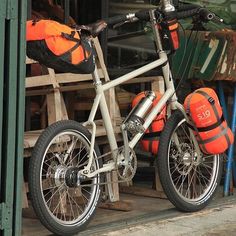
[158, 85]
[141, 191]
[70, 99]
[53, 107]
[112, 190]
[64, 114]
[119, 205]
[157, 182]
[52, 76]
[86, 85]
[67, 88]
[37, 81]
[145, 79]
[30, 61]
[42, 80]
[31, 137]
[122, 97]
[71, 78]
[110, 94]
[25, 203]
[115, 186]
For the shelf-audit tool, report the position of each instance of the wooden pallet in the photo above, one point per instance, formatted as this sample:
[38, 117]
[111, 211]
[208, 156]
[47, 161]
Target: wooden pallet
[50, 85]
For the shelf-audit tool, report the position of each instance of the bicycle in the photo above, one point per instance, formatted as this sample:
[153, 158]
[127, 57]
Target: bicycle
[66, 168]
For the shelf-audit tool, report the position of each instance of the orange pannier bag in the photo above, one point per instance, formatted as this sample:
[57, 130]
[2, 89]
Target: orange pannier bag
[150, 140]
[211, 129]
[59, 47]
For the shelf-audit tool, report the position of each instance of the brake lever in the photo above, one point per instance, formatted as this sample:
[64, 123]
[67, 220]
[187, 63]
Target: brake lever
[217, 19]
[119, 24]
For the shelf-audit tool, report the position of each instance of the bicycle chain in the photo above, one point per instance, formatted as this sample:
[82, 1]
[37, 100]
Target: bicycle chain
[122, 179]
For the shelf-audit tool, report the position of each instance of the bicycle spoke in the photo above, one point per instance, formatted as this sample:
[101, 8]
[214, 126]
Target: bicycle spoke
[71, 161]
[75, 203]
[176, 168]
[72, 147]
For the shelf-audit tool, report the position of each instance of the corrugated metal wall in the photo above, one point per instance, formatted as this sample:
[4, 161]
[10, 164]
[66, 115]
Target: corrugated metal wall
[12, 74]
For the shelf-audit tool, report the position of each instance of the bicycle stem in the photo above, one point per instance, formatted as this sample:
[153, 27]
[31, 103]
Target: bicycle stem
[167, 6]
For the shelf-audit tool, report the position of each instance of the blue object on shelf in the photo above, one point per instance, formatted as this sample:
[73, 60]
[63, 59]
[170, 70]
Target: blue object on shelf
[234, 131]
[221, 94]
[230, 160]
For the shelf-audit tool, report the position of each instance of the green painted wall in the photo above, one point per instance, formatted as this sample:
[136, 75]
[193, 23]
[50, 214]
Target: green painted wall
[12, 74]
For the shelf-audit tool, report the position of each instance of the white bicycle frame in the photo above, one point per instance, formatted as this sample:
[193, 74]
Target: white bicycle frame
[100, 101]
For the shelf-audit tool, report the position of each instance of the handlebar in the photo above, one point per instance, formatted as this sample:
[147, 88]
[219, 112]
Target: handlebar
[116, 19]
[183, 11]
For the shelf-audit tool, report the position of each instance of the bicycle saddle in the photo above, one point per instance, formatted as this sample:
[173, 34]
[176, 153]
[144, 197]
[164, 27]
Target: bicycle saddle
[94, 29]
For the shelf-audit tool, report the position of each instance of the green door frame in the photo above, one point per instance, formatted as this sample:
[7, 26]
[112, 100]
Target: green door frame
[12, 96]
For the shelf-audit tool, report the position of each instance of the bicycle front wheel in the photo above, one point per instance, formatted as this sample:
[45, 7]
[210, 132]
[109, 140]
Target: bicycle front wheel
[63, 200]
[189, 185]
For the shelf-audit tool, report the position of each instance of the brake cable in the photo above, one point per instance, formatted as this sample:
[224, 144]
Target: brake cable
[182, 79]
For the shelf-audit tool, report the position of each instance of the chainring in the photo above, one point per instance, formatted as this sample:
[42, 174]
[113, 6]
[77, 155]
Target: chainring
[126, 169]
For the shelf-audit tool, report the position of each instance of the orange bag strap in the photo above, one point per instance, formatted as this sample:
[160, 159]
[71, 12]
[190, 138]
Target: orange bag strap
[78, 43]
[224, 132]
[223, 129]
[210, 127]
[152, 135]
[156, 134]
[70, 37]
[65, 54]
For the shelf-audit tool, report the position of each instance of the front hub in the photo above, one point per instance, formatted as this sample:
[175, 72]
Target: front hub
[187, 159]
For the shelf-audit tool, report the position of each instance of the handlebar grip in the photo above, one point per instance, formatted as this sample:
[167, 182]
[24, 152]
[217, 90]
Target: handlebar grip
[203, 13]
[186, 7]
[206, 15]
[116, 19]
[143, 15]
[186, 14]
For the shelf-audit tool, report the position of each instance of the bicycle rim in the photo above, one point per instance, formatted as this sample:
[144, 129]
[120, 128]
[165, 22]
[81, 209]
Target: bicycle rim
[68, 202]
[193, 182]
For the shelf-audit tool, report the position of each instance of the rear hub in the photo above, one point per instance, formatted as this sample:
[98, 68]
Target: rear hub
[71, 178]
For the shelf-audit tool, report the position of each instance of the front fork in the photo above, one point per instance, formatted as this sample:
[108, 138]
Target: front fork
[180, 107]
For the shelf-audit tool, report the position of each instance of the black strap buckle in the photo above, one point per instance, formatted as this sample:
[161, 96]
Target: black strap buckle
[211, 100]
[70, 36]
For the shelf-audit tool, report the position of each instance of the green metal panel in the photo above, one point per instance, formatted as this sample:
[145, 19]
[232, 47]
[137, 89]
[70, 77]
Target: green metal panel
[2, 52]
[12, 67]
[209, 56]
[20, 117]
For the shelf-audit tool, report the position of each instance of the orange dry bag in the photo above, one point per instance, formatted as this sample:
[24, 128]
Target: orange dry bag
[59, 47]
[211, 130]
[150, 139]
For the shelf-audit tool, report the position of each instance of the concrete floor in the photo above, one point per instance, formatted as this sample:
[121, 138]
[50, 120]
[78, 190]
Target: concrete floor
[218, 221]
[154, 216]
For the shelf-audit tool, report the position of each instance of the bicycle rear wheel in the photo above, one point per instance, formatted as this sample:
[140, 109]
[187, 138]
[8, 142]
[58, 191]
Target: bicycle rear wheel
[63, 200]
[188, 185]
